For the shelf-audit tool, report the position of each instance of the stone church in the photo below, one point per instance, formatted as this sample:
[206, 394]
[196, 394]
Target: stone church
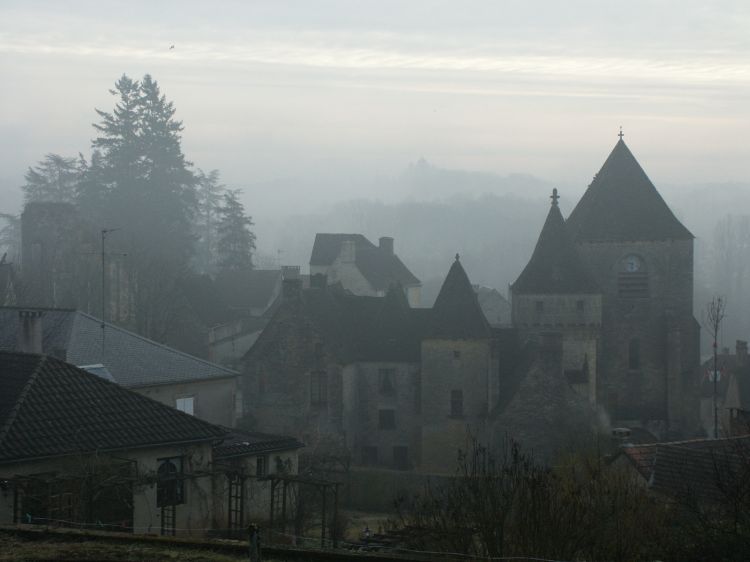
[603, 336]
[616, 280]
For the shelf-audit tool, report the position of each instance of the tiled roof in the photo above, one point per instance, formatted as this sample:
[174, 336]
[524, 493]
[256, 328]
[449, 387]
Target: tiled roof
[239, 443]
[51, 408]
[555, 267]
[380, 267]
[696, 469]
[456, 313]
[132, 360]
[622, 204]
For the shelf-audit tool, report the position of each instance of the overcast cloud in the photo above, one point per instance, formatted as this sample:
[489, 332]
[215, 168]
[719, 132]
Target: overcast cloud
[329, 94]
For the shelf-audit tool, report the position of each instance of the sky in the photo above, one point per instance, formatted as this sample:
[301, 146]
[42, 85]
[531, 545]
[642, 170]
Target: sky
[328, 96]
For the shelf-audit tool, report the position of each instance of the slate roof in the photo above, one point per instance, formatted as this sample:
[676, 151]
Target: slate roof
[380, 267]
[239, 443]
[133, 361]
[50, 408]
[692, 469]
[622, 204]
[555, 268]
[456, 312]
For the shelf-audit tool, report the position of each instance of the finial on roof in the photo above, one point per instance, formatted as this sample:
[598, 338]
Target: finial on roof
[554, 197]
[621, 134]
[457, 256]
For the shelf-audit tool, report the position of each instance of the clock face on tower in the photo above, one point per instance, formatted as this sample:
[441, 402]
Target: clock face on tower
[632, 264]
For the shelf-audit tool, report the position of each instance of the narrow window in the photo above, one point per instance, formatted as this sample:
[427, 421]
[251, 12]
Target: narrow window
[634, 354]
[401, 458]
[261, 466]
[539, 306]
[457, 403]
[386, 381]
[318, 388]
[186, 404]
[170, 485]
[386, 419]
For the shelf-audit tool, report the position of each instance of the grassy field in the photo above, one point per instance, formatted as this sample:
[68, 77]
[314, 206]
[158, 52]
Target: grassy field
[16, 548]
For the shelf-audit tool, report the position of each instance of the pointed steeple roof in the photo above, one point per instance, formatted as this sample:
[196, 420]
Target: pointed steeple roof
[456, 312]
[622, 204]
[555, 267]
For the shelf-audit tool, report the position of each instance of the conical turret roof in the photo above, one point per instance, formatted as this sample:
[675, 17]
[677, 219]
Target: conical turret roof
[555, 267]
[456, 312]
[622, 204]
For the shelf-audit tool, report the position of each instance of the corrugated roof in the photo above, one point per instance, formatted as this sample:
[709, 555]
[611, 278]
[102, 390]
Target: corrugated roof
[622, 204]
[555, 267]
[51, 408]
[132, 360]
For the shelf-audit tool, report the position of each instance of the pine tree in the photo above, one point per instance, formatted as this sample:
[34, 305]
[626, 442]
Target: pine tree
[148, 191]
[209, 202]
[53, 179]
[236, 241]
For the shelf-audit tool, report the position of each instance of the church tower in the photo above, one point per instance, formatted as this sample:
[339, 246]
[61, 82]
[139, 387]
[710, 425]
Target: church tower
[641, 258]
[557, 293]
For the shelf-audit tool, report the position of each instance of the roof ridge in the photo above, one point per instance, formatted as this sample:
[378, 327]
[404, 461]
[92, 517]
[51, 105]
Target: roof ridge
[13, 414]
[156, 343]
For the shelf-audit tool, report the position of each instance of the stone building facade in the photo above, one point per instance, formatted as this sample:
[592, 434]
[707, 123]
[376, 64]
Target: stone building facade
[623, 263]
[361, 267]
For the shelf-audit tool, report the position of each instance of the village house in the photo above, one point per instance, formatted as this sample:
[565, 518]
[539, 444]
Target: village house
[699, 471]
[400, 387]
[209, 391]
[76, 449]
[732, 389]
[361, 267]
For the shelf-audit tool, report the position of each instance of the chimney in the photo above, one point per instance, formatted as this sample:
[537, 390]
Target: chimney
[741, 351]
[30, 331]
[348, 252]
[386, 243]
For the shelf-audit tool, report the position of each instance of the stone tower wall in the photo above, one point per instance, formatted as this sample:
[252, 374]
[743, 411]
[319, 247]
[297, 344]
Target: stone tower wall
[645, 316]
[448, 365]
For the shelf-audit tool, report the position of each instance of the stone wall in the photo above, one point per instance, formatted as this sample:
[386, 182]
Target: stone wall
[217, 401]
[642, 371]
[467, 366]
[371, 389]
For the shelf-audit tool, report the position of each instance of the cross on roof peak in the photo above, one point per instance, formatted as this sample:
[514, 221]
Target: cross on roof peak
[555, 197]
[621, 134]
[457, 256]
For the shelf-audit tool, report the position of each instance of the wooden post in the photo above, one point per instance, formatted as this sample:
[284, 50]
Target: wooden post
[270, 518]
[283, 506]
[334, 523]
[323, 520]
